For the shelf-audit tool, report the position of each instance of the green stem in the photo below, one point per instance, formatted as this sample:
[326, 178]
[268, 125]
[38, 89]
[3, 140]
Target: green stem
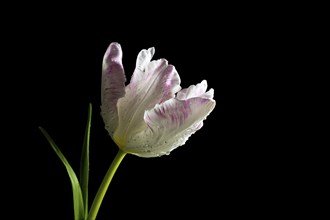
[105, 184]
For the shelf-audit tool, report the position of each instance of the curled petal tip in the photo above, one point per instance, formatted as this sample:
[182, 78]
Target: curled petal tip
[144, 57]
[152, 51]
[114, 52]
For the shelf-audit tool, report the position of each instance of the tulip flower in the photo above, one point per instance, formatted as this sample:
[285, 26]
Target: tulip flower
[150, 116]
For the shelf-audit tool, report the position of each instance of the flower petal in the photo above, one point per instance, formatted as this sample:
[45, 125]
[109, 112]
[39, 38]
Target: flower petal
[170, 124]
[198, 90]
[144, 57]
[113, 86]
[152, 83]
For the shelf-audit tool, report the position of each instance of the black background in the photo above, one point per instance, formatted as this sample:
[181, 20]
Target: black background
[232, 167]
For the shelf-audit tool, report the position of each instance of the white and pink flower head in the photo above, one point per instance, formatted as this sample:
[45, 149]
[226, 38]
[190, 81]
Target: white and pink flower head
[152, 115]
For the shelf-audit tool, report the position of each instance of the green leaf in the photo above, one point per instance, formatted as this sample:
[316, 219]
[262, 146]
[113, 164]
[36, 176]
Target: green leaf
[77, 195]
[84, 162]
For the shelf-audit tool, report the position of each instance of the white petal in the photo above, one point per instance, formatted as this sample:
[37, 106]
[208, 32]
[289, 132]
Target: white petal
[170, 124]
[113, 86]
[144, 57]
[198, 90]
[157, 83]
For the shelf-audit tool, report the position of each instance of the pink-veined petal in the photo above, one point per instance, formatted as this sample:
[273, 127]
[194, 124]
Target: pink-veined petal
[152, 83]
[170, 124]
[112, 87]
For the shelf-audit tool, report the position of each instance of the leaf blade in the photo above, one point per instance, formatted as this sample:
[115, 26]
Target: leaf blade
[84, 162]
[76, 190]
